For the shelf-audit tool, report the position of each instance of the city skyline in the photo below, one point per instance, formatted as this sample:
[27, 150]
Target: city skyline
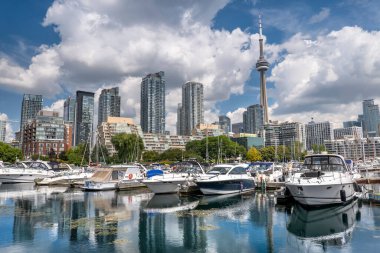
[323, 55]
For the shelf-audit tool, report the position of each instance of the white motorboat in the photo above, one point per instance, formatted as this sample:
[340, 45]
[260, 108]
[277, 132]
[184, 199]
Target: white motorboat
[324, 179]
[226, 179]
[110, 178]
[181, 176]
[66, 177]
[27, 172]
[267, 172]
[332, 225]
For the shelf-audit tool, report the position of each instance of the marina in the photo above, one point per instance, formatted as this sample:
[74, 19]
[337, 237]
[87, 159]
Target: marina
[62, 219]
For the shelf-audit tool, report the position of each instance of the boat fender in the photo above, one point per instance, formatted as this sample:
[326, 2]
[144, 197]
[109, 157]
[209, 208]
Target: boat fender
[343, 195]
[358, 216]
[130, 176]
[345, 219]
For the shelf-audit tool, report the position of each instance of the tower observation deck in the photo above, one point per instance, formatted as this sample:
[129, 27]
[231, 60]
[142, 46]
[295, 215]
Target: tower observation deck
[262, 65]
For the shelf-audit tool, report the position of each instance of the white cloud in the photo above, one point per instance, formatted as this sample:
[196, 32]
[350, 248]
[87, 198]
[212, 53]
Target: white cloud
[57, 106]
[322, 15]
[237, 115]
[327, 77]
[116, 43]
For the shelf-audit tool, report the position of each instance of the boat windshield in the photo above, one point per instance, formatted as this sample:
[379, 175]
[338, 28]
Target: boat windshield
[324, 163]
[187, 168]
[219, 170]
[37, 166]
[260, 167]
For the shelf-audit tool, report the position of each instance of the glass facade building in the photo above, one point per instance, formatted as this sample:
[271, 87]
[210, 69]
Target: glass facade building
[225, 123]
[31, 105]
[253, 119]
[371, 118]
[192, 106]
[69, 110]
[109, 104]
[84, 117]
[152, 103]
[44, 134]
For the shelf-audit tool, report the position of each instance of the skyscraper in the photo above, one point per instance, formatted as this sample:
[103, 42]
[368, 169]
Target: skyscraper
[3, 124]
[371, 118]
[262, 65]
[180, 120]
[253, 119]
[69, 110]
[109, 104]
[31, 105]
[317, 133]
[152, 117]
[192, 106]
[225, 123]
[84, 116]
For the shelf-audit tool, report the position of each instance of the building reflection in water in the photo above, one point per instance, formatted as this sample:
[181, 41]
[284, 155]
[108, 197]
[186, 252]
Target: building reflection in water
[144, 222]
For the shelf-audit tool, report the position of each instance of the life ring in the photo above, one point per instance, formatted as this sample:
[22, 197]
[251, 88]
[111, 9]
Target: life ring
[130, 176]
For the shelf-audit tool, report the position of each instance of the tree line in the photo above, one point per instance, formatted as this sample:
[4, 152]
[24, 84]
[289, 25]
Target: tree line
[130, 148]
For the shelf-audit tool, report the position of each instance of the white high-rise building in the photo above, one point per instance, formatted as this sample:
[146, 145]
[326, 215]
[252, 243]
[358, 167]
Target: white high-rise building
[192, 112]
[318, 132]
[152, 117]
[355, 132]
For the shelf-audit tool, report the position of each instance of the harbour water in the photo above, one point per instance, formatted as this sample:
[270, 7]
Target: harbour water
[60, 219]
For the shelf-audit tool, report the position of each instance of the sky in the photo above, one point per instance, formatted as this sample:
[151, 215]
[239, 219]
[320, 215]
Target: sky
[324, 55]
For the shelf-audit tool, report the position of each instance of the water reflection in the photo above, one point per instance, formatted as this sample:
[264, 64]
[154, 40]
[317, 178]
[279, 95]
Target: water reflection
[325, 226]
[168, 203]
[66, 220]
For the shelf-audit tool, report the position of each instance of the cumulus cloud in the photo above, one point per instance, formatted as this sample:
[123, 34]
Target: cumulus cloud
[322, 15]
[237, 115]
[116, 43]
[57, 106]
[328, 76]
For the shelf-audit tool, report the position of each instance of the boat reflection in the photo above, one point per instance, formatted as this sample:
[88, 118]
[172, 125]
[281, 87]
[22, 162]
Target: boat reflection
[324, 226]
[167, 203]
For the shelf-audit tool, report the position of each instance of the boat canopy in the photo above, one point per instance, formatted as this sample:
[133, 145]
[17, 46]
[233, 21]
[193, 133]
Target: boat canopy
[261, 166]
[325, 163]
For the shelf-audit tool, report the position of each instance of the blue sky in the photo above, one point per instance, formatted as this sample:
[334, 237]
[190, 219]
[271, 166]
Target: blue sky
[324, 55]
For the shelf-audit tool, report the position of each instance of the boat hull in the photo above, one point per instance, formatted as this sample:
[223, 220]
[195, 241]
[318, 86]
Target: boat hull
[228, 186]
[20, 178]
[99, 186]
[164, 186]
[322, 194]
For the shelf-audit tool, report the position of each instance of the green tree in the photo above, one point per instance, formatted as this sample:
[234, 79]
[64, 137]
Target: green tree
[128, 146]
[317, 149]
[100, 154]
[77, 155]
[268, 153]
[150, 156]
[253, 155]
[219, 147]
[8, 153]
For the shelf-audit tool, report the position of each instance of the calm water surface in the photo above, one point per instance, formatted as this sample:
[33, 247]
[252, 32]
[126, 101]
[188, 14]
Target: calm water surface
[47, 219]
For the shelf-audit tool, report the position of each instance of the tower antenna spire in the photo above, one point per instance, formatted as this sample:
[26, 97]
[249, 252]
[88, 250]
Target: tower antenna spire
[260, 27]
[262, 65]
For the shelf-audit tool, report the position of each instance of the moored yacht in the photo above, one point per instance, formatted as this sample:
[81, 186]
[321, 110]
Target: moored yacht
[226, 179]
[181, 176]
[324, 179]
[27, 172]
[113, 177]
[266, 171]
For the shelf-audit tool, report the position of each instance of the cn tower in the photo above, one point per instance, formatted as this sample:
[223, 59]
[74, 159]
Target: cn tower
[262, 65]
